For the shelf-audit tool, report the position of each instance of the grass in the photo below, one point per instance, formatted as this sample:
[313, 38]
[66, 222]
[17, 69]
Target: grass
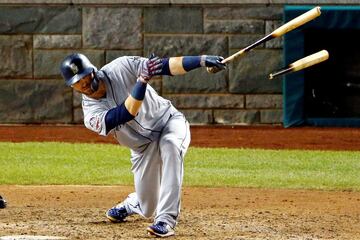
[105, 164]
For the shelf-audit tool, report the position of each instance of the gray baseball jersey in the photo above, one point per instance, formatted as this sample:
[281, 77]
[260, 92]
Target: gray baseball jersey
[158, 138]
[120, 77]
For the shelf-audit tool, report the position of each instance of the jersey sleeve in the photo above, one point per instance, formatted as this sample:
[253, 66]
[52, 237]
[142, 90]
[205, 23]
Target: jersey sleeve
[94, 116]
[132, 65]
[136, 64]
[128, 67]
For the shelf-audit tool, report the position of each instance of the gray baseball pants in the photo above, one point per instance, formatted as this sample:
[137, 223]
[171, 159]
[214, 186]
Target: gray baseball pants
[158, 173]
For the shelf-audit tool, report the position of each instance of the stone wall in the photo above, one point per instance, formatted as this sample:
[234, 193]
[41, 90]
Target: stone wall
[35, 37]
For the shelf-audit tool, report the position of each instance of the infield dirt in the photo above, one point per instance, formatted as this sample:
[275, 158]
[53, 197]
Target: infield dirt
[78, 212]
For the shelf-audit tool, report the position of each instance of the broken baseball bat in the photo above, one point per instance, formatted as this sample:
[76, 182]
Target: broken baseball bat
[302, 63]
[295, 23]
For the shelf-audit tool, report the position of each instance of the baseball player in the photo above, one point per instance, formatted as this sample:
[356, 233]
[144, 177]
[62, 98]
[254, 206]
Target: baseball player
[117, 99]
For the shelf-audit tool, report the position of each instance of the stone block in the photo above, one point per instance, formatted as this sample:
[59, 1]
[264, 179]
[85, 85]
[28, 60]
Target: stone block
[243, 40]
[47, 62]
[57, 41]
[196, 116]
[35, 101]
[234, 26]
[312, 2]
[219, 2]
[173, 20]
[244, 12]
[172, 46]
[78, 115]
[196, 81]
[77, 99]
[235, 116]
[113, 54]
[122, 2]
[36, 2]
[270, 26]
[207, 101]
[273, 116]
[16, 56]
[112, 28]
[263, 101]
[250, 74]
[40, 19]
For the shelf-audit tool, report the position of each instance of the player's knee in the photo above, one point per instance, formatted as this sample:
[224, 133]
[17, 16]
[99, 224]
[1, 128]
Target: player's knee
[168, 142]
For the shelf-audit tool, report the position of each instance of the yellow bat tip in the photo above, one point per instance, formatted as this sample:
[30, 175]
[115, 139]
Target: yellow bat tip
[271, 76]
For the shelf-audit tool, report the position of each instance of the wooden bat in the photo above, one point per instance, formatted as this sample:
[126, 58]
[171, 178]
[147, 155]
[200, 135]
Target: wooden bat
[296, 22]
[302, 63]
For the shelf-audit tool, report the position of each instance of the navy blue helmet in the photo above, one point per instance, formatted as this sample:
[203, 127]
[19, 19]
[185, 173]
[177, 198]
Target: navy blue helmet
[74, 67]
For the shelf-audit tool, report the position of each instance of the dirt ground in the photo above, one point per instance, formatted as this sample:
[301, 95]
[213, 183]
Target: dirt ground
[78, 212]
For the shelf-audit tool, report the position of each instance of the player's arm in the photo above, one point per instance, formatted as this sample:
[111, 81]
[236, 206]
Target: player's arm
[98, 118]
[184, 64]
[128, 109]
[131, 106]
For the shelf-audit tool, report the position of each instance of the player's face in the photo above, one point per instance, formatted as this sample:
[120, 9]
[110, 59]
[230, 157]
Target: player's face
[83, 86]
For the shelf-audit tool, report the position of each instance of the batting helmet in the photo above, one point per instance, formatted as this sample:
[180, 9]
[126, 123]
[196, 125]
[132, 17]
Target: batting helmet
[74, 67]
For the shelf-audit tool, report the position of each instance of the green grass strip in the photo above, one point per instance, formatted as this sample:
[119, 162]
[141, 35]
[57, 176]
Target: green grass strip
[107, 164]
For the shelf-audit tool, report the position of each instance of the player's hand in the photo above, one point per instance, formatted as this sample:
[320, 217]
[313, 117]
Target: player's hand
[213, 62]
[153, 67]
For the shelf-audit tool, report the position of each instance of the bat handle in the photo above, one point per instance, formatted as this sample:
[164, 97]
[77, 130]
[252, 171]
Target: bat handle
[232, 57]
[226, 60]
[280, 72]
[241, 52]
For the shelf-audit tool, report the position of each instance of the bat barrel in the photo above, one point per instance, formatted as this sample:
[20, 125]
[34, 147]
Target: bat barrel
[310, 60]
[296, 22]
[303, 63]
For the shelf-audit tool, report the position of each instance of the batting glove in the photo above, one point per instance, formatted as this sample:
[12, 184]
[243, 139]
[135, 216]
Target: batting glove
[153, 67]
[213, 62]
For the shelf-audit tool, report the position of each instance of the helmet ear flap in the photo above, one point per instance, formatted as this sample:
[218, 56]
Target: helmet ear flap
[94, 83]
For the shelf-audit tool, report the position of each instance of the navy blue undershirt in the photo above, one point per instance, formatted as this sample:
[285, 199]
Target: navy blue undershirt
[165, 69]
[189, 63]
[120, 115]
[117, 116]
